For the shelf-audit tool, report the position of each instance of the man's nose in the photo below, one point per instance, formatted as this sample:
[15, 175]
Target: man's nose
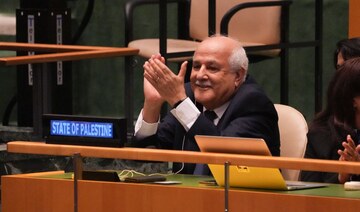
[202, 72]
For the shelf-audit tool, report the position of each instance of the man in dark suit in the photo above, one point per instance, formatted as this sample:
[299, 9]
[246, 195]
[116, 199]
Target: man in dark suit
[218, 83]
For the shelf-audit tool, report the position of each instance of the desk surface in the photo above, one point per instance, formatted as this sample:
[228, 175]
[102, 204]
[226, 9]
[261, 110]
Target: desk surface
[46, 192]
[333, 190]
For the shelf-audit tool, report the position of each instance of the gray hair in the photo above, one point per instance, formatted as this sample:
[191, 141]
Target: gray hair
[238, 60]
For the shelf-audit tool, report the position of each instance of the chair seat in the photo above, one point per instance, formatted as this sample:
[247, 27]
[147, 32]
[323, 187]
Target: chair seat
[150, 47]
[265, 53]
[7, 25]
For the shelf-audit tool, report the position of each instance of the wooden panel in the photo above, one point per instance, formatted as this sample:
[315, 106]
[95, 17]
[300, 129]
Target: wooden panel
[146, 197]
[354, 18]
[33, 194]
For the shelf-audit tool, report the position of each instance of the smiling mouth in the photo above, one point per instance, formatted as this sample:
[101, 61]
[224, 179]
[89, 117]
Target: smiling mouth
[203, 87]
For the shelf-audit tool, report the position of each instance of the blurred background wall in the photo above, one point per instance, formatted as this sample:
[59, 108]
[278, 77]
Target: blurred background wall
[98, 84]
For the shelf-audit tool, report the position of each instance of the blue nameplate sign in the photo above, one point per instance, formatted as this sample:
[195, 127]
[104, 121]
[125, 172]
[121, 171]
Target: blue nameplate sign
[84, 130]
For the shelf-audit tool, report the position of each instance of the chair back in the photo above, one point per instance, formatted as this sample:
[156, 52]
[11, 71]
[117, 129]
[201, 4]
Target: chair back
[251, 25]
[293, 130]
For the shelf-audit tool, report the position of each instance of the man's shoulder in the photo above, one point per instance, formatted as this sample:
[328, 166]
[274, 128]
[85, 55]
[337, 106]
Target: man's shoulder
[250, 80]
[250, 90]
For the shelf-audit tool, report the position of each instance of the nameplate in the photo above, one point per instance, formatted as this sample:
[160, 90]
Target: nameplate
[84, 130]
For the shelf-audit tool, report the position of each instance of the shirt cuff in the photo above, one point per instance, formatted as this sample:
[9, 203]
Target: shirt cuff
[144, 129]
[186, 113]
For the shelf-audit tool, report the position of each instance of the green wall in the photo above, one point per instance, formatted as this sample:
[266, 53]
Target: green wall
[99, 83]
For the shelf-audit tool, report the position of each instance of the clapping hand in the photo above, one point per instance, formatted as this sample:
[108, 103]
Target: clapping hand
[152, 96]
[350, 153]
[169, 86]
[160, 85]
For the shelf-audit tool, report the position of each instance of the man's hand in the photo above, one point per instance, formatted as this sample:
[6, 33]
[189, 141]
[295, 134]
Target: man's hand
[169, 86]
[160, 85]
[152, 96]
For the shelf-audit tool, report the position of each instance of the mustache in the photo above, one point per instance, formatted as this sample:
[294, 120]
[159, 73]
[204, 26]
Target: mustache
[203, 83]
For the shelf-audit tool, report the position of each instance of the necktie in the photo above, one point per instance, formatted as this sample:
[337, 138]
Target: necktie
[211, 115]
[202, 169]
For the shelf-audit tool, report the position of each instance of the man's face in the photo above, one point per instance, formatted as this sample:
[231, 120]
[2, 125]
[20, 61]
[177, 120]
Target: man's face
[212, 80]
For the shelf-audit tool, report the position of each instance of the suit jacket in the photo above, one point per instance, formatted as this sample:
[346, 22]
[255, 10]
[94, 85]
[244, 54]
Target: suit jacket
[249, 114]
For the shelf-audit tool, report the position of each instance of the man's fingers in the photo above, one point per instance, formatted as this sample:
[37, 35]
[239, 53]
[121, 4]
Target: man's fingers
[151, 70]
[151, 78]
[159, 68]
[182, 71]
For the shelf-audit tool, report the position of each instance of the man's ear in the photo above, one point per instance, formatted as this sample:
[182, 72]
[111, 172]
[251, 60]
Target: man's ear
[240, 77]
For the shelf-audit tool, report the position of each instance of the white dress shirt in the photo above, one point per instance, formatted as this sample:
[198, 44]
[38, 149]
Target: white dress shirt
[186, 113]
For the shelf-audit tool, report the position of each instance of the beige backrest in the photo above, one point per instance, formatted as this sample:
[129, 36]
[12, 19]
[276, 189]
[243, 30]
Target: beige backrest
[255, 25]
[293, 129]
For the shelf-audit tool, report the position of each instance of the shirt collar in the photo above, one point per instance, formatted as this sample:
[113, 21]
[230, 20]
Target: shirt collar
[220, 110]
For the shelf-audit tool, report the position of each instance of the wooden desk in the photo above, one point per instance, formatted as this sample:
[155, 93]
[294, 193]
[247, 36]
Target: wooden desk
[43, 192]
[53, 53]
[38, 192]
